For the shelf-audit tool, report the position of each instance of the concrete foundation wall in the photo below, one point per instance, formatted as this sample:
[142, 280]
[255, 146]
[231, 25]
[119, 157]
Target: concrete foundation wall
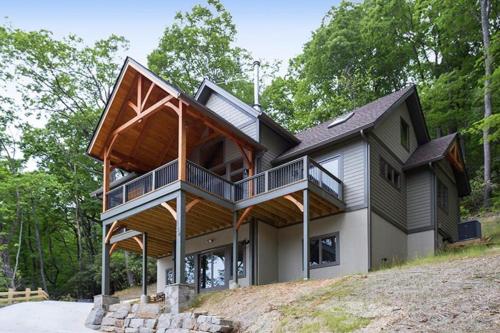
[267, 271]
[420, 244]
[353, 238]
[389, 244]
[200, 244]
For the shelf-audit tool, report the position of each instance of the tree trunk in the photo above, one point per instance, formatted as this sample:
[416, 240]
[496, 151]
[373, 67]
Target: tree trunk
[19, 242]
[39, 246]
[485, 27]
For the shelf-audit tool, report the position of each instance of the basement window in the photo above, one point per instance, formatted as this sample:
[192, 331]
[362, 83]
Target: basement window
[324, 251]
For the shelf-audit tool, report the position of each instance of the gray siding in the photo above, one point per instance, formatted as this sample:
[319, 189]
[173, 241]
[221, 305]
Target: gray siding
[389, 132]
[447, 221]
[275, 145]
[236, 116]
[386, 200]
[352, 170]
[419, 199]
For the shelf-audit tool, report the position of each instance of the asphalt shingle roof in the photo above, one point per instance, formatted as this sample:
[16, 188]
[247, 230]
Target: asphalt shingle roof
[431, 151]
[362, 118]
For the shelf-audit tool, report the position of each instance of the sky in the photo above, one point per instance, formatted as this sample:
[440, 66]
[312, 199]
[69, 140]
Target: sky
[270, 30]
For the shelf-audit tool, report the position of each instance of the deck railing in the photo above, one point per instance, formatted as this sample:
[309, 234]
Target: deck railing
[208, 181]
[146, 183]
[275, 178]
[287, 174]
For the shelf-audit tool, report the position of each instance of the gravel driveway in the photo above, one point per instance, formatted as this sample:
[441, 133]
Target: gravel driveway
[45, 317]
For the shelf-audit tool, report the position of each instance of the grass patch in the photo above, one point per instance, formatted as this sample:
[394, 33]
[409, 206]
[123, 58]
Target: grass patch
[310, 313]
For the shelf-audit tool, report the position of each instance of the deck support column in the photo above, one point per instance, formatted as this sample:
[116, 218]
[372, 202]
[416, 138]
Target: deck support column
[144, 296]
[180, 246]
[235, 251]
[305, 249]
[105, 262]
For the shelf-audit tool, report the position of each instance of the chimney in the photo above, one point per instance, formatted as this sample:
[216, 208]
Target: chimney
[256, 66]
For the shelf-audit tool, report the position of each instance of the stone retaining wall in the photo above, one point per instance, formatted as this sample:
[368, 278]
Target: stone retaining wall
[151, 318]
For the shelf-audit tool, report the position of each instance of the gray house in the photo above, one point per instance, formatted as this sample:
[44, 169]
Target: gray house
[223, 196]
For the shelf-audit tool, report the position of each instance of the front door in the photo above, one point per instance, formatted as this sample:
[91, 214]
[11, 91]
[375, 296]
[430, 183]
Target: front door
[213, 269]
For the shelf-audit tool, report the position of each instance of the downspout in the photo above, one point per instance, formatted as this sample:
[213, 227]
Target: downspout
[368, 197]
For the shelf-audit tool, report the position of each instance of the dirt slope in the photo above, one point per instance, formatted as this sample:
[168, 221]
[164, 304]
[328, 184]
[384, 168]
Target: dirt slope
[458, 295]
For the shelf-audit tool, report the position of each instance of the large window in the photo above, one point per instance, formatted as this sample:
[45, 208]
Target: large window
[324, 250]
[333, 166]
[389, 173]
[442, 196]
[405, 134]
[241, 261]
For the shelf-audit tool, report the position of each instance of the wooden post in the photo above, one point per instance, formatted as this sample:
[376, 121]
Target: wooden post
[105, 182]
[40, 293]
[305, 221]
[144, 265]
[235, 249]
[182, 144]
[180, 239]
[27, 294]
[10, 296]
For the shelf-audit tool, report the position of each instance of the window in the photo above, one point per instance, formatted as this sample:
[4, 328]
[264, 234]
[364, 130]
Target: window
[332, 165]
[324, 250]
[405, 134]
[241, 261]
[442, 196]
[389, 173]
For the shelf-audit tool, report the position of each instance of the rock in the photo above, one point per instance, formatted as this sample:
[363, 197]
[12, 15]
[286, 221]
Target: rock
[95, 317]
[119, 323]
[164, 320]
[221, 321]
[148, 311]
[108, 321]
[136, 322]
[107, 328]
[150, 323]
[145, 330]
[131, 330]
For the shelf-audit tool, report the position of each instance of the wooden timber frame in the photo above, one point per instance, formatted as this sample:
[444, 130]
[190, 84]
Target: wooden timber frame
[139, 101]
[147, 124]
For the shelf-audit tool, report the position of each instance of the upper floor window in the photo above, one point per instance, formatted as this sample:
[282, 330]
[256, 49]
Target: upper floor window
[405, 134]
[389, 173]
[442, 196]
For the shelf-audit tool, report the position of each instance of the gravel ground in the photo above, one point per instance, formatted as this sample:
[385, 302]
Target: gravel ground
[45, 317]
[456, 296]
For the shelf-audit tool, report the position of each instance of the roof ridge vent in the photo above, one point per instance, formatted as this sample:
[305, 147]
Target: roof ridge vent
[340, 119]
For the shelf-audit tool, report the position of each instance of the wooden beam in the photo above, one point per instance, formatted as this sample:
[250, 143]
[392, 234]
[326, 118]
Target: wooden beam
[105, 183]
[138, 242]
[143, 115]
[244, 216]
[182, 144]
[147, 95]
[110, 231]
[139, 94]
[134, 107]
[193, 203]
[113, 247]
[170, 209]
[296, 202]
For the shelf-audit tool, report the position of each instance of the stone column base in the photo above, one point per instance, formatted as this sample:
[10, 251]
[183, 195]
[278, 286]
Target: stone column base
[178, 297]
[144, 299]
[101, 305]
[233, 285]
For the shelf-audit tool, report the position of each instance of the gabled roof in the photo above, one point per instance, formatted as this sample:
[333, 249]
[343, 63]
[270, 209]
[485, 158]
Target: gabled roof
[129, 70]
[432, 151]
[438, 149]
[207, 86]
[363, 118]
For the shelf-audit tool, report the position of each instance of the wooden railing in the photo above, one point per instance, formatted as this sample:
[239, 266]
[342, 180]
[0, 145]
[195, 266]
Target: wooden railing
[12, 296]
[283, 175]
[287, 174]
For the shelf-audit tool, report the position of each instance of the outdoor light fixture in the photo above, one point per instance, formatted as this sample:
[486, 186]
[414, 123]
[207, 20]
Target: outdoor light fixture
[210, 241]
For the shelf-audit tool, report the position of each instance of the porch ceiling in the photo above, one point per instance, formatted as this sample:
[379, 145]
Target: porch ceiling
[206, 217]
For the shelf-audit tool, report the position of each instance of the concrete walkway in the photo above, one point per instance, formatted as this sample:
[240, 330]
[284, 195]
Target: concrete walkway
[45, 317]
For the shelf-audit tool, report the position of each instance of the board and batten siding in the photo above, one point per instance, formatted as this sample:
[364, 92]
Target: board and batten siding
[419, 199]
[352, 170]
[448, 221]
[275, 145]
[386, 200]
[245, 122]
[389, 132]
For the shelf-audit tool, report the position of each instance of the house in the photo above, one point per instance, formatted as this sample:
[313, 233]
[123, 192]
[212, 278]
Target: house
[223, 196]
